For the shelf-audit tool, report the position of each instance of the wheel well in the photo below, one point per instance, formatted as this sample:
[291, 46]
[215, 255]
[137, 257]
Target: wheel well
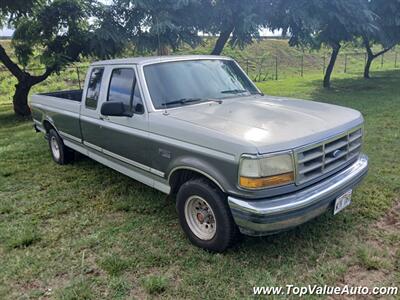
[179, 177]
[47, 125]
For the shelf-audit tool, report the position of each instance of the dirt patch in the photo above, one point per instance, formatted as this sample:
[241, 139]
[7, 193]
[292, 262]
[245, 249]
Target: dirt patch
[391, 221]
[358, 276]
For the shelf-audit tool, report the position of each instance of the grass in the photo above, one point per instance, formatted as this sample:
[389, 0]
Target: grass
[155, 284]
[83, 231]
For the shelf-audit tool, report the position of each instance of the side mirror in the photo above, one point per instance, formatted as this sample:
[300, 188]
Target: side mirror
[116, 109]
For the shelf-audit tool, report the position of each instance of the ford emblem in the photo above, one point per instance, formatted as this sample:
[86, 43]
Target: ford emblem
[336, 153]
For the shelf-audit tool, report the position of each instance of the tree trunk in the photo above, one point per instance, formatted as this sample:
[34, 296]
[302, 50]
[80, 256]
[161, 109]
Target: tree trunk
[25, 82]
[371, 56]
[221, 41]
[20, 98]
[331, 65]
[367, 67]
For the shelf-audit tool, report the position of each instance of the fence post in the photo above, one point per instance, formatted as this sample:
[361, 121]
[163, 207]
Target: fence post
[260, 70]
[345, 63]
[302, 65]
[247, 66]
[395, 60]
[79, 79]
[382, 61]
[276, 67]
[324, 65]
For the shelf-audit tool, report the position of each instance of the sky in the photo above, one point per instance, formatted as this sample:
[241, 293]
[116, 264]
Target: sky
[5, 32]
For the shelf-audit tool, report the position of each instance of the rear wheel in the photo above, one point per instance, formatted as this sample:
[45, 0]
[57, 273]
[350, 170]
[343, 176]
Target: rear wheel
[60, 153]
[205, 216]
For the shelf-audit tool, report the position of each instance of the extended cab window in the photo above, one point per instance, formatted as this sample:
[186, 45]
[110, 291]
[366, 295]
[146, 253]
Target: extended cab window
[124, 88]
[93, 91]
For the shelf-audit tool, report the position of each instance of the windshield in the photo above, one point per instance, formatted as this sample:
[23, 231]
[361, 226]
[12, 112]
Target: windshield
[186, 82]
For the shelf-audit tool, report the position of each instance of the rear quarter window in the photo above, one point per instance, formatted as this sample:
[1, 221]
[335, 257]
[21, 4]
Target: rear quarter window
[93, 91]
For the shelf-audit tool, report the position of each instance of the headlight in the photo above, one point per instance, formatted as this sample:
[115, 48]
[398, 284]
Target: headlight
[262, 172]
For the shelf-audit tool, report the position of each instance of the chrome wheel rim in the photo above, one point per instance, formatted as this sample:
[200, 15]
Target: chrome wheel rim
[200, 218]
[55, 149]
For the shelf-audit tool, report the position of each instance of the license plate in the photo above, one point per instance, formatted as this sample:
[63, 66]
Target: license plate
[342, 202]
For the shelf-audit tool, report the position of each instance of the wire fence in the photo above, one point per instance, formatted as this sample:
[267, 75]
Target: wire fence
[281, 67]
[259, 69]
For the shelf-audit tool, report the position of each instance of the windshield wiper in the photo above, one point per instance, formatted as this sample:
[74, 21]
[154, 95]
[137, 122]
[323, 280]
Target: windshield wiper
[184, 101]
[237, 91]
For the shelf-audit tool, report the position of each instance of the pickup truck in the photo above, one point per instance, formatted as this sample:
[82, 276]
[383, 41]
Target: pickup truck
[196, 127]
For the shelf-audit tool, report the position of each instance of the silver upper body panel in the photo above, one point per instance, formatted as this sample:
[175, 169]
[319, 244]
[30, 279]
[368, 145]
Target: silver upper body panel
[267, 123]
[155, 59]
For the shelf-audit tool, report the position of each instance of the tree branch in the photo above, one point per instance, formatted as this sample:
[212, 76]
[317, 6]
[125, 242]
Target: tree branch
[369, 50]
[10, 65]
[383, 51]
[40, 78]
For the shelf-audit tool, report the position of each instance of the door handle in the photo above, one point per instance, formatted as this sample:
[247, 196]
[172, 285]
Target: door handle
[104, 118]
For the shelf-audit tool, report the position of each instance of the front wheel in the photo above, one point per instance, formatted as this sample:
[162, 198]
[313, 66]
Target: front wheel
[205, 216]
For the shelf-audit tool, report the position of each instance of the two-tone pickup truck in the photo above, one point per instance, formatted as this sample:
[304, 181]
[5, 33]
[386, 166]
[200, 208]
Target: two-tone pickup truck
[197, 127]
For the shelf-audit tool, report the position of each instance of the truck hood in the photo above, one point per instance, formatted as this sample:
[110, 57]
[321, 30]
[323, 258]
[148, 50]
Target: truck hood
[271, 123]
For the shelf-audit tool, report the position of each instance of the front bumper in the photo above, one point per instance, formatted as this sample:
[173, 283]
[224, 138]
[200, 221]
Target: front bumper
[270, 215]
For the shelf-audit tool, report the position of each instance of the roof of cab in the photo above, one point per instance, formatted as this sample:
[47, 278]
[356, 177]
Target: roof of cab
[155, 59]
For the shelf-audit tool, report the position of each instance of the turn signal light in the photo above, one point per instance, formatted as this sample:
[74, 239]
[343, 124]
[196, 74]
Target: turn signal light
[276, 180]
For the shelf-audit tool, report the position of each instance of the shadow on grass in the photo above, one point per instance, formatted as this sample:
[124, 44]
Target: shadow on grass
[350, 89]
[8, 118]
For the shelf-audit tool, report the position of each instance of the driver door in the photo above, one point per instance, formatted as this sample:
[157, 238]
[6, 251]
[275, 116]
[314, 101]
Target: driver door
[124, 138]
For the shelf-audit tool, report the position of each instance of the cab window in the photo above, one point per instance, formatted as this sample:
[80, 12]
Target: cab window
[124, 88]
[93, 91]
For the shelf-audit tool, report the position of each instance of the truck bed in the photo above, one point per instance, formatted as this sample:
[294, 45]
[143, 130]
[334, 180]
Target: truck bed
[74, 95]
[61, 109]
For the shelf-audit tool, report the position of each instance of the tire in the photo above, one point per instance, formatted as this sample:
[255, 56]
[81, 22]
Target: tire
[205, 216]
[60, 153]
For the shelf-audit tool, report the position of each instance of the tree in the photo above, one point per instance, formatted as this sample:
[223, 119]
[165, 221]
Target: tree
[387, 16]
[57, 33]
[239, 19]
[13, 8]
[153, 25]
[314, 23]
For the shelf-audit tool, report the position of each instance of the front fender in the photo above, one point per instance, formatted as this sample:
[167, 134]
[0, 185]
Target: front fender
[210, 170]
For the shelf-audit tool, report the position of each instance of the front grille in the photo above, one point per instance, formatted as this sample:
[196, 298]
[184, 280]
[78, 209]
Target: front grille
[318, 159]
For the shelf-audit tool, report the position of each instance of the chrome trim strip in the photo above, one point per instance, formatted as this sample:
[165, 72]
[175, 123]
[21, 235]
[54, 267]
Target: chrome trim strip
[39, 126]
[157, 172]
[69, 136]
[79, 148]
[37, 122]
[288, 210]
[93, 146]
[133, 163]
[41, 129]
[159, 185]
[124, 159]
